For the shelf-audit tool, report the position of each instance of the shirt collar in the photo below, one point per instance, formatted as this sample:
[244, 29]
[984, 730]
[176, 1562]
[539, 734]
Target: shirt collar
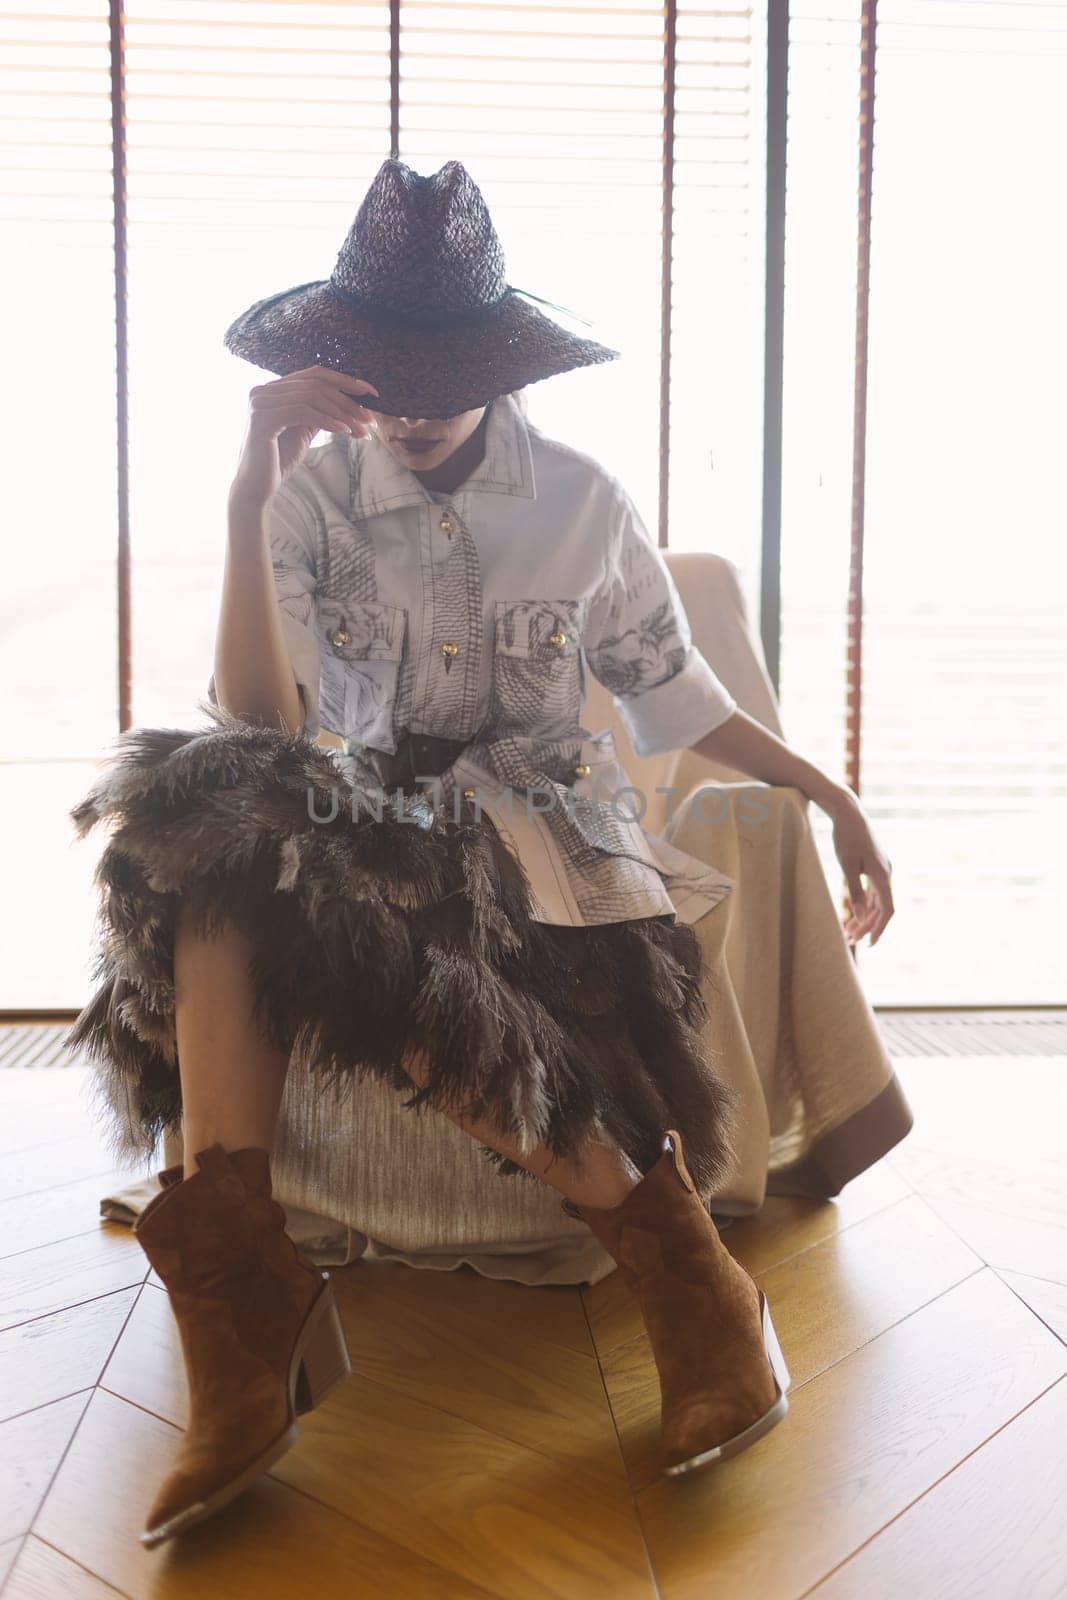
[380, 483]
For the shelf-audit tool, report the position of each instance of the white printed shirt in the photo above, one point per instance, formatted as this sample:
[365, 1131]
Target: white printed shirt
[474, 615]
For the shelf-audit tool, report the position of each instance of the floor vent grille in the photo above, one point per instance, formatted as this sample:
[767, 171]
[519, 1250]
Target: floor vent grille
[906, 1033]
[974, 1033]
[35, 1044]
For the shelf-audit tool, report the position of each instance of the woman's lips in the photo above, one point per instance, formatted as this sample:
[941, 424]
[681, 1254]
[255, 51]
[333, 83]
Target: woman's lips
[417, 446]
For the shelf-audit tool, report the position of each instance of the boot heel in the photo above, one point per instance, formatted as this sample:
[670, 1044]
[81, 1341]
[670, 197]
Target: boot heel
[322, 1351]
[773, 1348]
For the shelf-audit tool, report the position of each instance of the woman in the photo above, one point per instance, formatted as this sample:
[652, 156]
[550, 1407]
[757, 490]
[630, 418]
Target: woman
[452, 901]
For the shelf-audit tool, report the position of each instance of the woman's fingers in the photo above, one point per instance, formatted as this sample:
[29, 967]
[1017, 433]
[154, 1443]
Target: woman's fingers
[885, 905]
[326, 393]
[856, 895]
[284, 417]
[318, 400]
[347, 378]
[880, 875]
[347, 385]
[332, 375]
[871, 907]
[295, 413]
[871, 904]
[327, 397]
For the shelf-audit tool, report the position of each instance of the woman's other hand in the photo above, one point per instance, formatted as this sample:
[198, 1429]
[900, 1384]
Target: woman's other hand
[283, 418]
[870, 906]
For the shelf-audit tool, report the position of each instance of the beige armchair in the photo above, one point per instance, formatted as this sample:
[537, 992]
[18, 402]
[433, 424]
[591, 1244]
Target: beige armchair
[361, 1176]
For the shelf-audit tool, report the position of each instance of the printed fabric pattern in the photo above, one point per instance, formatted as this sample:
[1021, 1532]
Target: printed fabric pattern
[475, 616]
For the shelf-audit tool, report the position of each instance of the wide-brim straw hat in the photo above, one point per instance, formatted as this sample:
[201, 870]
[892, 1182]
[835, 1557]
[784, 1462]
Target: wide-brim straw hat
[418, 303]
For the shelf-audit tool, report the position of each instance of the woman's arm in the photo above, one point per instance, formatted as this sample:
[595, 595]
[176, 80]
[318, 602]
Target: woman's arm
[257, 667]
[253, 674]
[639, 644]
[745, 744]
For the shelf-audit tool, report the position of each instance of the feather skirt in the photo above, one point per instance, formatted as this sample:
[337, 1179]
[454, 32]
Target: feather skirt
[378, 931]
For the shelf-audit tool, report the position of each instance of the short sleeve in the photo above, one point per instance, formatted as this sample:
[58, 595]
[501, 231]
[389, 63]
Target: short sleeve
[290, 527]
[638, 644]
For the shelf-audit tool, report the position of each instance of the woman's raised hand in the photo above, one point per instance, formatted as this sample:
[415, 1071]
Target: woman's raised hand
[284, 417]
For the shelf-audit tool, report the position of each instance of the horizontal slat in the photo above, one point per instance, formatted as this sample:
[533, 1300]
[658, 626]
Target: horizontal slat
[603, 9]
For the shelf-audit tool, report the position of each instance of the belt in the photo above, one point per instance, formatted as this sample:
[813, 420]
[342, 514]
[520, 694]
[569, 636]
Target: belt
[418, 755]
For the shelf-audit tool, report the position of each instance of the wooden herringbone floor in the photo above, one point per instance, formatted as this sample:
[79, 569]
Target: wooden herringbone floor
[499, 1441]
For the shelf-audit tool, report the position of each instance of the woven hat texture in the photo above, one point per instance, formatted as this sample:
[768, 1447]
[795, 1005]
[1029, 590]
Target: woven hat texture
[418, 303]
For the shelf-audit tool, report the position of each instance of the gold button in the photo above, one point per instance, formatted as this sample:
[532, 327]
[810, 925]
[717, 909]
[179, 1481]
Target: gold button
[558, 639]
[340, 636]
[447, 525]
[582, 771]
[449, 649]
[470, 794]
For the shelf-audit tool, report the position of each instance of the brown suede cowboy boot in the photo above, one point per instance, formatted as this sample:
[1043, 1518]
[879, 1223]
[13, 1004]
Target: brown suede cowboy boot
[722, 1376]
[260, 1333]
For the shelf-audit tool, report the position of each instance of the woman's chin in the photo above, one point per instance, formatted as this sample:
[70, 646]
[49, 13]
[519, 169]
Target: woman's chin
[417, 458]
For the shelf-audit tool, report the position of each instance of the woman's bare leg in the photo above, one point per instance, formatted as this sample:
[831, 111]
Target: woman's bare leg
[232, 1080]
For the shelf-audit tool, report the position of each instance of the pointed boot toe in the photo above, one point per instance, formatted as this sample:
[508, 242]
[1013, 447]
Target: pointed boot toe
[181, 1500]
[201, 1481]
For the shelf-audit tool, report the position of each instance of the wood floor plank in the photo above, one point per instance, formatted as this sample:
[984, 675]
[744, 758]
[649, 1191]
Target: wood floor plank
[859, 1282]
[9, 1550]
[63, 1161]
[145, 1365]
[633, 1389]
[41, 1573]
[29, 1125]
[611, 1313]
[41, 1089]
[269, 1544]
[996, 1526]
[1046, 1300]
[69, 1272]
[1036, 1249]
[501, 1516]
[31, 1447]
[418, 1337]
[56, 1355]
[48, 1215]
[787, 1224]
[826, 1302]
[860, 1443]
[549, 1312]
[1032, 1192]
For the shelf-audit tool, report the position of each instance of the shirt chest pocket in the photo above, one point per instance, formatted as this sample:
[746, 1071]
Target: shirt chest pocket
[537, 666]
[362, 647]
